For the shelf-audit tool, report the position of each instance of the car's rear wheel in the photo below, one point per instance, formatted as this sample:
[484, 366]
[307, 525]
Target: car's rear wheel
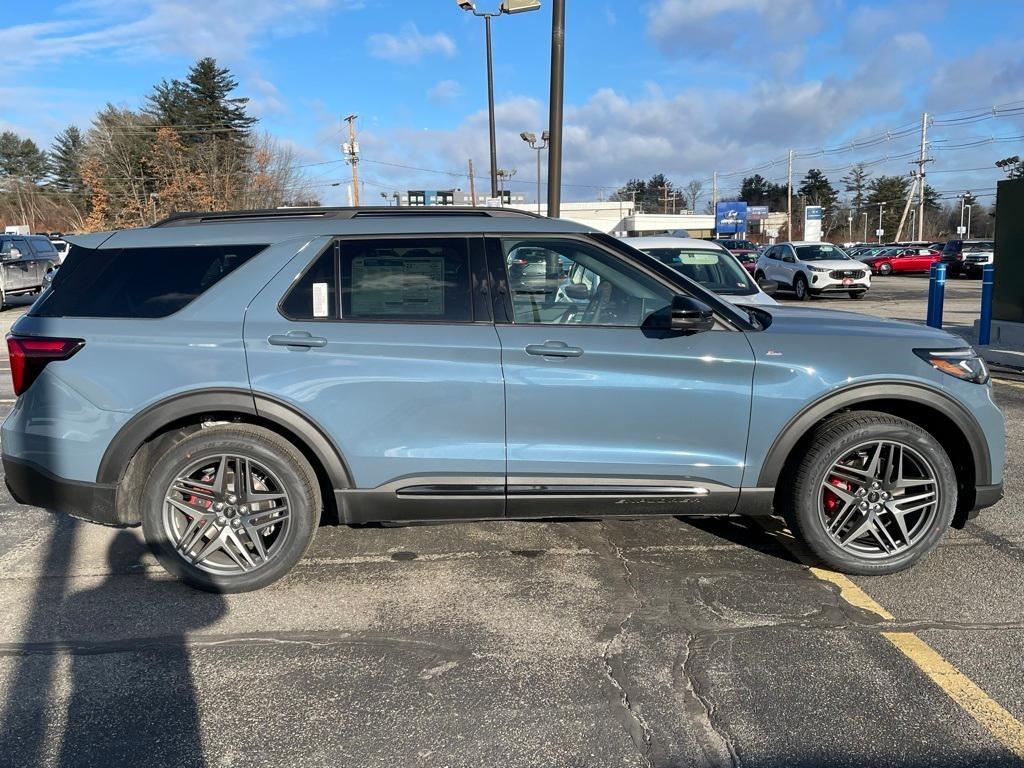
[800, 288]
[230, 508]
[885, 269]
[873, 493]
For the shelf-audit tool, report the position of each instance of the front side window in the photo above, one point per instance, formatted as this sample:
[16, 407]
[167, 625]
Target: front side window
[573, 283]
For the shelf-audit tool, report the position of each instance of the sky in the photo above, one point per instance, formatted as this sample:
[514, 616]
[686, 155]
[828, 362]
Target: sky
[681, 87]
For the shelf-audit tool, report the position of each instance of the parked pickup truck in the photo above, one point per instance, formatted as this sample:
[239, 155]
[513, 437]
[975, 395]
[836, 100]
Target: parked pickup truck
[24, 261]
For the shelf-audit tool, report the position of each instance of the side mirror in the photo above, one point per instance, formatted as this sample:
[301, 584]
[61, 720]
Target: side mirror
[14, 254]
[690, 315]
[768, 286]
[789, 259]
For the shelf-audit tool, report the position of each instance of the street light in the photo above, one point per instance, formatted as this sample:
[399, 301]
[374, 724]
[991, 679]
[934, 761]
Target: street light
[961, 229]
[531, 139]
[880, 230]
[865, 215]
[849, 222]
[509, 7]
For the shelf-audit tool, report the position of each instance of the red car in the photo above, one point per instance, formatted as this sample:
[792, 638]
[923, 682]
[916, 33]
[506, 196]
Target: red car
[744, 251]
[903, 260]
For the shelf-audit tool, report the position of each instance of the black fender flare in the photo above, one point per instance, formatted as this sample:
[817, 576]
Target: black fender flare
[243, 402]
[865, 393]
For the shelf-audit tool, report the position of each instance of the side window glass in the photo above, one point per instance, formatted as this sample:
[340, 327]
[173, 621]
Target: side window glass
[406, 279]
[573, 283]
[315, 295]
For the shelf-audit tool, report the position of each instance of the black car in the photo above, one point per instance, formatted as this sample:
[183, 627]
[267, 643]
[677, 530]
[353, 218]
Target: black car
[967, 256]
[24, 262]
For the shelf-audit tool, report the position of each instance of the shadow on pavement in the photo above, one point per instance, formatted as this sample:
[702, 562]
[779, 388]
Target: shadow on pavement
[129, 703]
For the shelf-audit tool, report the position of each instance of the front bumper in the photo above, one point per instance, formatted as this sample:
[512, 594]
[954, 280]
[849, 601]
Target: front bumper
[828, 283]
[31, 484]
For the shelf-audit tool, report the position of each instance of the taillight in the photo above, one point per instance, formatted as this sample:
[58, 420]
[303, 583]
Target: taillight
[30, 354]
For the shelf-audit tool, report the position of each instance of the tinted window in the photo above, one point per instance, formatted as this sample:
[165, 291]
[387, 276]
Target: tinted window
[315, 295]
[406, 279]
[137, 282]
[819, 253]
[43, 246]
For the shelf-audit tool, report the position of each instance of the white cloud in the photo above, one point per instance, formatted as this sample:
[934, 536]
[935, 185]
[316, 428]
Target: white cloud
[444, 92]
[409, 44]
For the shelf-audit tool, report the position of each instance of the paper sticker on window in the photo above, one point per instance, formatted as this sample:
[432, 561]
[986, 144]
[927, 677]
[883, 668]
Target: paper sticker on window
[319, 299]
[398, 285]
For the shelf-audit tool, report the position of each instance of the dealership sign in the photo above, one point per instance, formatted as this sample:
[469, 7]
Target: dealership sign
[730, 218]
[812, 222]
[757, 212]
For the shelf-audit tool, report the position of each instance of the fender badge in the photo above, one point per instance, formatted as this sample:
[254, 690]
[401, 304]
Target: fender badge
[773, 353]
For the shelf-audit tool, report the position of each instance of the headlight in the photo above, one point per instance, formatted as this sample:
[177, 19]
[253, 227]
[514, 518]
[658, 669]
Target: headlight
[819, 269]
[965, 364]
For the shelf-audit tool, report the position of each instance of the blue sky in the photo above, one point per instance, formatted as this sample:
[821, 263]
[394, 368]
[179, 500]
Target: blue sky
[680, 86]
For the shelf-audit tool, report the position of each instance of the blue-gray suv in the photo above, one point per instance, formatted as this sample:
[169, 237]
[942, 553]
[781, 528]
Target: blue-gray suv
[229, 380]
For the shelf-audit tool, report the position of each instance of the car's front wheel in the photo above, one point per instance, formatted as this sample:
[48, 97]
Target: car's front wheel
[872, 494]
[800, 288]
[230, 508]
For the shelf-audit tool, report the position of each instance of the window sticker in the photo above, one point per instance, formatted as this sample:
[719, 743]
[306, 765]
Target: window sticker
[319, 299]
[398, 285]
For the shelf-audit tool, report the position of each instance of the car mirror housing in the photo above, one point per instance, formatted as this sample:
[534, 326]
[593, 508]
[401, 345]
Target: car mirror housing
[789, 259]
[684, 315]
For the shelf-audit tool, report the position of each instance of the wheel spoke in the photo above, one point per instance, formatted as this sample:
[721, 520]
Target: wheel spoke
[257, 541]
[191, 510]
[842, 518]
[857, 531]
[217, 542]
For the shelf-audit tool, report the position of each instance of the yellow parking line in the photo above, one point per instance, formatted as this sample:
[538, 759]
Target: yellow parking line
[1007, 729]
[1004, 383]
[962, 690]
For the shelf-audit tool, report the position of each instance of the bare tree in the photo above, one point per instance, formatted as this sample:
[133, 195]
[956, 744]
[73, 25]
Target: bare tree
[694, 189]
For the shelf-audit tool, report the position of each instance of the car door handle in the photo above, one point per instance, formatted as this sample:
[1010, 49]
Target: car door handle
[553, 349]
[297, 339]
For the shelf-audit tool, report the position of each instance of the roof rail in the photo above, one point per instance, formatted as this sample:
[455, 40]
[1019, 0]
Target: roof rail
[270, 214]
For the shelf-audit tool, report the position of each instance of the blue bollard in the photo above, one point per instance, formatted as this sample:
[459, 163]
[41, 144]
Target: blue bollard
[987, 283]
[936, 294]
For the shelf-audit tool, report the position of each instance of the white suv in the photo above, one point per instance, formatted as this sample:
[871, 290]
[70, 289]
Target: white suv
[809, 269]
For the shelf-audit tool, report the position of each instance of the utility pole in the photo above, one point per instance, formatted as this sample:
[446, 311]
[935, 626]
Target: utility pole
[920, 174]
[557, 89]
[351, 150]
[789, 198]
[472, 184]
[714, 191]
[664, 198]
[906, 209]
[865, 215]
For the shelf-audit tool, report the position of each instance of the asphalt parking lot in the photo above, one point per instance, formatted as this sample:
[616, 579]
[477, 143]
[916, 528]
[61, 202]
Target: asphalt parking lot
[661, 642]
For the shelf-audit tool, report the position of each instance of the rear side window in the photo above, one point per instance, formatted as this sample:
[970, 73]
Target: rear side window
[138, 282]
[406, 279]
[42, 245]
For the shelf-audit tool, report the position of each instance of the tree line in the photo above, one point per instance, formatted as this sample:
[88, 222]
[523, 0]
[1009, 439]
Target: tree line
[191, 146]
[842, 215]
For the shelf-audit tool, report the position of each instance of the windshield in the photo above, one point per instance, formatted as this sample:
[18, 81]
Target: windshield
[715, 270]
[819, 253]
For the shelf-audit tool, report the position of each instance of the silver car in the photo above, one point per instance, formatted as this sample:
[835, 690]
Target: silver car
[809, 269]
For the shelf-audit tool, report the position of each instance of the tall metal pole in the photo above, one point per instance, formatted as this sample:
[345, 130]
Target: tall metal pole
[865, 215]
[490, 111]
[920, 173]
[352, 150]
[472, 184]
[969, 214]
[880, 207]
[555, 108]
[539, 150]
[789, 198]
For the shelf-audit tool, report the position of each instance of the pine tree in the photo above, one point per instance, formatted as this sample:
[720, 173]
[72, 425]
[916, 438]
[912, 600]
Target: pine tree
[212, 108]
[892, 191]
[856, 182]
[21, 158]
[66, 157]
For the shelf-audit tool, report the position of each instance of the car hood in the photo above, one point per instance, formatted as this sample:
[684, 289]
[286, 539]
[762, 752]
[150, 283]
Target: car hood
[759, 299]
[836, 264]
[840, 325]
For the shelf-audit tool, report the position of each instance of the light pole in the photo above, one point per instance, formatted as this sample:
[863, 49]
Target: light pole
[880, 230]
[865, 215]
[961, 229]
[508, 6]
[849, 222]
[531, 139]
[913, 224]
[556, 98]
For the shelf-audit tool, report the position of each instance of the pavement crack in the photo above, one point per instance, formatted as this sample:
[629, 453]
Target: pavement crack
[717, 744]
[632, 719]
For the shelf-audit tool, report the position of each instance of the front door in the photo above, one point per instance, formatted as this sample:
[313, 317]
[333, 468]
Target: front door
[602, 415]
[17, 264]
[389, 347]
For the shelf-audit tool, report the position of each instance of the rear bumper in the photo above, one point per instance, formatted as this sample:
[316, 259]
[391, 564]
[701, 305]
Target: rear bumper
[31, 484]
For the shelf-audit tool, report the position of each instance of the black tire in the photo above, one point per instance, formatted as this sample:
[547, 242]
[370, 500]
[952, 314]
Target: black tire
[857, 294]
[800, 288]
[885, 269]
[262, 446]
[800, 492]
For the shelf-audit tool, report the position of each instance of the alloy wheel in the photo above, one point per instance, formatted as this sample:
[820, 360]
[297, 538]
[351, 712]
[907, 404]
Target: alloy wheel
[879, 499]
[227, 514]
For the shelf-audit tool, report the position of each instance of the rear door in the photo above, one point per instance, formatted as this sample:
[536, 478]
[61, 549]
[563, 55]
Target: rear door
[387, 344]
[604, 416]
